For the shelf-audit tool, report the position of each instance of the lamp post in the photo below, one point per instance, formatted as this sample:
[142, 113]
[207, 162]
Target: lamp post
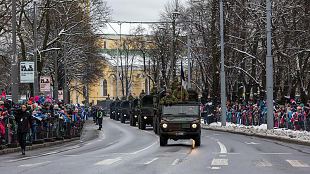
[14, 60]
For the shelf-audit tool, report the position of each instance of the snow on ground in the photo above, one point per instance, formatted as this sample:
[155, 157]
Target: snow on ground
[262, 131]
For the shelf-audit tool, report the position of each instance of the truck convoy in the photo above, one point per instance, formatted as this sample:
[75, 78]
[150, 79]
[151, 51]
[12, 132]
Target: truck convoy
[172, 119]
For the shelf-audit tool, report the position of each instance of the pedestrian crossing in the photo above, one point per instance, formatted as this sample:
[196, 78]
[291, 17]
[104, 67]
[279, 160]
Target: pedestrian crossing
[216, 163]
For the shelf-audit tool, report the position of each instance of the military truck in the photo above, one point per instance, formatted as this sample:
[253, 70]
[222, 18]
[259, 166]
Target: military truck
[112, 110]
[117, 110]
[125, 111]
[135, 111]
[177, 120]
[180, 121]
[146, 113]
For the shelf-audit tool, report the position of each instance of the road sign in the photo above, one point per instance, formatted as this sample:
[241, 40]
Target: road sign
[45, 84]
[26, 72]
[60, 94]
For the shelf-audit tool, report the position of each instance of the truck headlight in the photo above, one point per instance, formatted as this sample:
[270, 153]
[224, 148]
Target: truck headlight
[165, 125]
[145, 117]
[194, 126]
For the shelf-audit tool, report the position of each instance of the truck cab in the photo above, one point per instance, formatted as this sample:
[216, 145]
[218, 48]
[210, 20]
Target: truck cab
[125, 111]
[146, 113]
[135, 111]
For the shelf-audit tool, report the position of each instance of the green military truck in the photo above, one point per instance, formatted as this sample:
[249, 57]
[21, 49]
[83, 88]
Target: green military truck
[146, 112]
[135, 111]
[125, 111]
[179, 121]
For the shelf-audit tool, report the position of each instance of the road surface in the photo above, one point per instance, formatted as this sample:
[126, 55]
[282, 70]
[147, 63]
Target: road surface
[121, 149]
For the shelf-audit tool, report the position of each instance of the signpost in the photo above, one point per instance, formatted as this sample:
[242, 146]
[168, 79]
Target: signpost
[60, 94]
[26, 72]
[45, 84]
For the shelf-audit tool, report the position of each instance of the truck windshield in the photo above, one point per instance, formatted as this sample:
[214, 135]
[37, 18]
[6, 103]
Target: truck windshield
[180, 110]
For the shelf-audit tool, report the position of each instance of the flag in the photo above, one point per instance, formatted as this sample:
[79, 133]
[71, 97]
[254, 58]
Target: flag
[184, 83]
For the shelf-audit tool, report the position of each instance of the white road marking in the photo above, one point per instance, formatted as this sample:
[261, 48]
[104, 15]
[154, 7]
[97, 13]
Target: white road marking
[275, 153]
[222, 147]
[175, 162]
[70, 155]
[263, 163]
[34, 164]
[251, 143]
[297, 163]
[222, 156]
[216, 153]
[108, 162]
[219, 162]
[149, 162]
[215, 168]
[144, 149]
[149, 132]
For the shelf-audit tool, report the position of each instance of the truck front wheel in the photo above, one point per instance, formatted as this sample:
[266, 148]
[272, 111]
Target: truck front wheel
[163, 141]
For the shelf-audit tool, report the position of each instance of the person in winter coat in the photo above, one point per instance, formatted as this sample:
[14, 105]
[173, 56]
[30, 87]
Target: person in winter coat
[100, 115]
[23, 120]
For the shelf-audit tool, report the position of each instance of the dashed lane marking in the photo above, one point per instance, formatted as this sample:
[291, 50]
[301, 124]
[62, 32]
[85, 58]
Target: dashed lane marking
[144, 149]
[108, 162]
[175, 162]
[297, 163]
[222, 147]
[34, 164]
[251, 143]
[215, 168]
[263, 163]
[219, 162]
[275, 154]
[149, 162]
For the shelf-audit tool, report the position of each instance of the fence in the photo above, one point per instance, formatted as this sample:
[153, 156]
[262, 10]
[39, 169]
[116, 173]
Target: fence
[294, 120]
[45, 128]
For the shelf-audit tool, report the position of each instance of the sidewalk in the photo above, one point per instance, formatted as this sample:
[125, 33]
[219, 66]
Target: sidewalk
[86, 135]
[290, 136]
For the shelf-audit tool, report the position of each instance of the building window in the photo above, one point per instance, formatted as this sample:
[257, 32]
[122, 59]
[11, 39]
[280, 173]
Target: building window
[104, 87]
[105, 44]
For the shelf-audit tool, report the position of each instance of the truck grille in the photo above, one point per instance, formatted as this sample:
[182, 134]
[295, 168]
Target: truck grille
[178, 127]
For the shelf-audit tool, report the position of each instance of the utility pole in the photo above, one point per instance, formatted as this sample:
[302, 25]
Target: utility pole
[269, 68]
[65, 86]
[56, 76]
[173, 50]
[35, 34]
[189, 57]
[14, 60]
[120, 58]
[223, 85]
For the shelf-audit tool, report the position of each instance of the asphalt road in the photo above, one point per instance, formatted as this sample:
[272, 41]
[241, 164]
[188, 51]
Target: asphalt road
[121, 149]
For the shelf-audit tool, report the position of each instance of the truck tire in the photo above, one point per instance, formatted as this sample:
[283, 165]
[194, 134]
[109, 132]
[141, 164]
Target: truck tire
[163, 141]
[143, 125]
[122, 119]
[197, 141]
[131, 121]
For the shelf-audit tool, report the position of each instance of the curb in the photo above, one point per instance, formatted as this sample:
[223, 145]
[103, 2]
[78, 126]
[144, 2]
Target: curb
[264, 136]
[37, 146]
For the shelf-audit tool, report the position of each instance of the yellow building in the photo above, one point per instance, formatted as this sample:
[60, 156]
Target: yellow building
[106, 87]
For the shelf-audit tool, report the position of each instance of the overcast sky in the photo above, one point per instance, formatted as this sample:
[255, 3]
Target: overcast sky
[135, 10]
